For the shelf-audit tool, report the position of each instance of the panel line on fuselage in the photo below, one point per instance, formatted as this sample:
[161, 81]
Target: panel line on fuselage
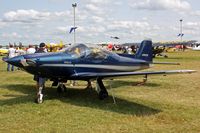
[111, 67]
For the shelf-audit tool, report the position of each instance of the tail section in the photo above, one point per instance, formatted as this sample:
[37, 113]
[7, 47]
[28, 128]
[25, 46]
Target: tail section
[145, 51]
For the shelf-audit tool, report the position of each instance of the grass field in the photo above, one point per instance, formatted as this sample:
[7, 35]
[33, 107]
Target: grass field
[165, 104]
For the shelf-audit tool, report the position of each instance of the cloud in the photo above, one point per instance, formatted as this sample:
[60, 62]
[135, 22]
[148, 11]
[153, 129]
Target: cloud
[128, 25]
[62, 29]
[94, 9]
[127, 30]
[193, 24]
[62, 14]
[99, 7]
[56, 1]
[97, 19]
[192, 27]
[25, 16]
[196, 13]
[99, 2]
[11, 35]
[2, 24]
[175, 5]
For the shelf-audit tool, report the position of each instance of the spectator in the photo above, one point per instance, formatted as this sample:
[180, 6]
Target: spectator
[40, 80]
[36, 47]
[11, 54]
[129, 50]
[31, 50]
[19, 50]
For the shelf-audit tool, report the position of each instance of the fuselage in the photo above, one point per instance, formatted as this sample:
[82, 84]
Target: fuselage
[75, 60]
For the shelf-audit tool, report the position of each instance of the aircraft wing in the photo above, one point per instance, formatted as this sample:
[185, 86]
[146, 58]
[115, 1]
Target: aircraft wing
[119, 74]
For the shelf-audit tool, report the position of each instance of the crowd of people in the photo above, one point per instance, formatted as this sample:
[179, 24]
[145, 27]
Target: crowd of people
[124, 49]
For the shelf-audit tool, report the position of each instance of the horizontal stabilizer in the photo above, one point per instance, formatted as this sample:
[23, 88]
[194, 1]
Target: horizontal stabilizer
[166, 63]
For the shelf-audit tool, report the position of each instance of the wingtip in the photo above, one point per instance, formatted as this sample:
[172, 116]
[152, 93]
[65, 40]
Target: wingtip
[188, 71]
[193, 71]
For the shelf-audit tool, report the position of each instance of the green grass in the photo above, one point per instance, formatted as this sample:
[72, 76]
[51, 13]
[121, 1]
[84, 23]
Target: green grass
[164, 104]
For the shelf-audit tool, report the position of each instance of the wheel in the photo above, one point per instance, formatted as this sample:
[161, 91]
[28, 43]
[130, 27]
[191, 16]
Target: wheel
[39, 99]
[103, 95]
[61, 88]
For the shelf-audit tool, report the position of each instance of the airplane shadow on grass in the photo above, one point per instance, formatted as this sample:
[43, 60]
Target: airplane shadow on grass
[114, 84]
[78, 97]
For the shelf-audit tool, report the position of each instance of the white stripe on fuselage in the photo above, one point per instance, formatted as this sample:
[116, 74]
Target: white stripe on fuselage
[111, 67]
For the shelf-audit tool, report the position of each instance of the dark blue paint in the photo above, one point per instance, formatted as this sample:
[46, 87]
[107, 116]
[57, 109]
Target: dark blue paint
[82, 55]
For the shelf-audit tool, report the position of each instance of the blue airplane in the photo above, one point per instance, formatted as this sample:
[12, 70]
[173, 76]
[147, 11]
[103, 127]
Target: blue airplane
[80, 62]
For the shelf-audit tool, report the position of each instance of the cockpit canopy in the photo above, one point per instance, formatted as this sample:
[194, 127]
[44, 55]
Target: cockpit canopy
[81, 50]
[77, 50]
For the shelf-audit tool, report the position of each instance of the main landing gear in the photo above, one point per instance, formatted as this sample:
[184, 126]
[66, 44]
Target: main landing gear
[101, 89]
[60, 86]
[144, 80]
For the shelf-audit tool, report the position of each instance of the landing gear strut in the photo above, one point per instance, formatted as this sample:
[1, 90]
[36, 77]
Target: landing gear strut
[102, 89]
[89, 85]
[144, 80]
[61, 88]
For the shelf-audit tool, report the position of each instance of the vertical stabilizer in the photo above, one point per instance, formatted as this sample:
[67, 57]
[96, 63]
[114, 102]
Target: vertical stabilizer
[145, 51]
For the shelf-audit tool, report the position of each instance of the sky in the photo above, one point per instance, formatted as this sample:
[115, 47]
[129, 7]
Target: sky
[35, 21]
